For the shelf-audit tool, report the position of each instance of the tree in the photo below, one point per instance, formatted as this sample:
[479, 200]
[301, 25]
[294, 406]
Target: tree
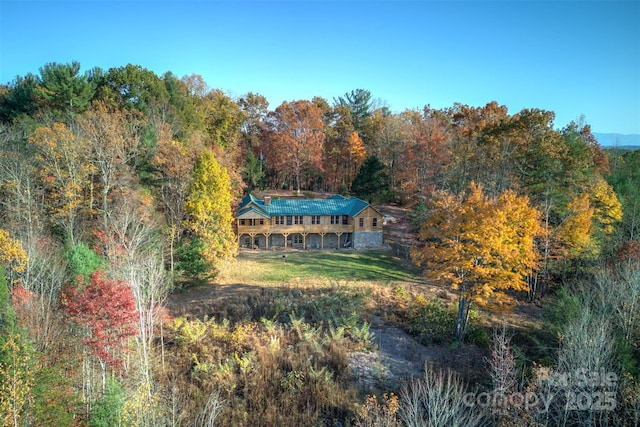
[13, 258]
[209, 212]
[607, 207]
[386, 142]
[133, 86]
[296, 140]
[64, 89]
[253, 172]
[108, 310]
[359, 103]
[16, 380]
[22, 97]
[16, 376]
[344, 150]
[574, 236]
[424, 152]
[82, 262]
[223, 119]
[481, 247]
[113, 137]
[474, 155]
[65, 171]
[625, 179]
[371, 183]
[255, 108]
[173, 163]
[20, 195]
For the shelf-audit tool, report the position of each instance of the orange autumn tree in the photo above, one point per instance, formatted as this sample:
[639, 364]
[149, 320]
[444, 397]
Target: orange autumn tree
[295, 140]
[479, 246]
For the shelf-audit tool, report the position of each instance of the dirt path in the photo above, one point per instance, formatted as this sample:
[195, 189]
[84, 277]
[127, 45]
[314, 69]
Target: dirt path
[399, 358]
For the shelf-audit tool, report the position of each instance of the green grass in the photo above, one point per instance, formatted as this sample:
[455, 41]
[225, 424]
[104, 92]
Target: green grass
[319, 266]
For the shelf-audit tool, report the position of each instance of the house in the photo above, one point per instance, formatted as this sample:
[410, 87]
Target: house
[335, 222]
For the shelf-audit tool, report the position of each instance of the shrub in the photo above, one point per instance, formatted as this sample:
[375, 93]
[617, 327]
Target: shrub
[430, 321]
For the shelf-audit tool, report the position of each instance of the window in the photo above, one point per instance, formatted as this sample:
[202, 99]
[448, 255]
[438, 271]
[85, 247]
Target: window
[289, 220]
[297, 220]
[374, 222]
[361, 222]
[335, 219]
[315, 219]
[345, 219]
[279, 220]
[297, 239]
[261, 221]
[242, 221]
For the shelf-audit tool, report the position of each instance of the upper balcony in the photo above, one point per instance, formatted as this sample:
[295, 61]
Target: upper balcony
[266, 227]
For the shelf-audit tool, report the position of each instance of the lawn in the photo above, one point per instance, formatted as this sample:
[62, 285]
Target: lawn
[278, 267]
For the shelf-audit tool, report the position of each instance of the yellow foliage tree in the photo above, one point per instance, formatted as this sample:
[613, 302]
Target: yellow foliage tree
[481, 247]
[66, 172]
[607, 207]
[12, 256]
[574, 235]
[208, 207]
[16, 381]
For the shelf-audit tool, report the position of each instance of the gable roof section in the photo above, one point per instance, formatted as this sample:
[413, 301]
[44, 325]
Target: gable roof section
[251, 212]
[334, 205]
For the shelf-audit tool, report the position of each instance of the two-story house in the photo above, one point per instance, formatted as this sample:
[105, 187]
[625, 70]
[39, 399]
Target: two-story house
[332, 223]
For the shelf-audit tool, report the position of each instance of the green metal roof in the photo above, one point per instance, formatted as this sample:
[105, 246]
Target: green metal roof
[334, 205]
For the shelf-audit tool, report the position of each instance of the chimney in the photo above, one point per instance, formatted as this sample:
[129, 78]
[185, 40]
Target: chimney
[267, 200]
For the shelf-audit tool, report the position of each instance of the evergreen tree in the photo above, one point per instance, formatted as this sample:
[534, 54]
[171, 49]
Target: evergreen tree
[20, 97]
[64, 89]
[372, 183]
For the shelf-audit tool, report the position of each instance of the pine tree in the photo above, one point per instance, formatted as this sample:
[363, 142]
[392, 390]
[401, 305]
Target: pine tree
[371, 182]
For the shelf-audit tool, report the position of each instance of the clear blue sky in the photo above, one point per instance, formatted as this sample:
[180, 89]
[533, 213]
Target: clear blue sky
[571, 57]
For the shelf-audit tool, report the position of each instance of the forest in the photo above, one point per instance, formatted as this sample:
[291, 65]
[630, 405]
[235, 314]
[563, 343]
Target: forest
[117, 190]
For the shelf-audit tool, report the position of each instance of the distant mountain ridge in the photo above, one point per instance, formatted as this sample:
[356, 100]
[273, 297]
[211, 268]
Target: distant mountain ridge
[618, 140]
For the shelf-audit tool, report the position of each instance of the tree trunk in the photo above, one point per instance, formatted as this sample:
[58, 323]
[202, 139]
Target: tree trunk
[464, 307]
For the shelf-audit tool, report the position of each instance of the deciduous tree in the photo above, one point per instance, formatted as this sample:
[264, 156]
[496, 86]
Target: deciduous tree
[173, 163]
[296, 140]
[481, 247]
[209, 209]
[13, 257]
[108, 310]
[113, 138]
[424, 152]
[574, 236]
[65, 172]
